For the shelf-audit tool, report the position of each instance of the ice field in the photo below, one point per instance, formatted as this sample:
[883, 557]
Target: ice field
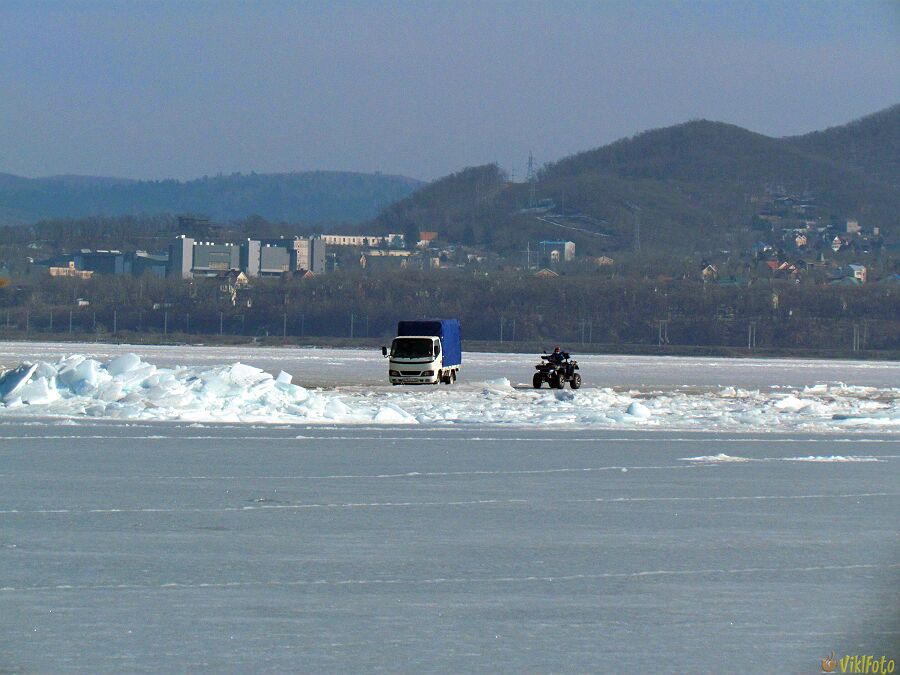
[173, 512]
[347, 387]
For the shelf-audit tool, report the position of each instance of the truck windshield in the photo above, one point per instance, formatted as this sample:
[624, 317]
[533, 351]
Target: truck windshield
[411, 348]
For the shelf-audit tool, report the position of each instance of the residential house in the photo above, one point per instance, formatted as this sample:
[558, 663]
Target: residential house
[782, 268]
[858, 272]
[231, 283]
[761, 248]
[708, 272]
[787, 269]
[546, 273]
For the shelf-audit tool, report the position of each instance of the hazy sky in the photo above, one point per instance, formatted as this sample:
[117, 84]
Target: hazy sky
[182, 89]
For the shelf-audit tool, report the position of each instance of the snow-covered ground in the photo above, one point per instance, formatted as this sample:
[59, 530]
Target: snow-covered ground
[345, 387]
[326, 367]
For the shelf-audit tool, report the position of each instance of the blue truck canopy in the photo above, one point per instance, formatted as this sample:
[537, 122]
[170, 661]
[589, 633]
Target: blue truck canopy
[446, 329]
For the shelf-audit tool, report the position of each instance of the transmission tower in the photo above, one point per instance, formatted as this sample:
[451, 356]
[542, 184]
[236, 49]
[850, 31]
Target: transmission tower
[532, 181]
[636, 214]
[637, 231]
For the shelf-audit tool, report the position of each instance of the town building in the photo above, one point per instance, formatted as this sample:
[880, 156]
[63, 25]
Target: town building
[425, 238]
[380, 259]
[144, 262]
[211, 258]
[70, 270]
[189, 258]
[101, 262]
[273, 259]
[181, 257]
[363, 240]
[111, 263]
[556, 251]
[256, 257]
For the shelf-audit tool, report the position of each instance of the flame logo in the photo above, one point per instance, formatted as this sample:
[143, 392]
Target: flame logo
[829, 663]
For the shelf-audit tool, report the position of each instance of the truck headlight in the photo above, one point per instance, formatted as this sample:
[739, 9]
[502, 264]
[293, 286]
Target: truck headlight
[427, 373]
[394, 373]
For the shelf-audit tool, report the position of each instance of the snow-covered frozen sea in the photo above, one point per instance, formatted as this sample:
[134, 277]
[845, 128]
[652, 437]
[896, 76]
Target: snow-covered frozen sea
[174, 512]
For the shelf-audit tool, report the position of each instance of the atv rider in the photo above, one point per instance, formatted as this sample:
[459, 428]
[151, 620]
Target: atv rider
[556, 369]
[558, 356]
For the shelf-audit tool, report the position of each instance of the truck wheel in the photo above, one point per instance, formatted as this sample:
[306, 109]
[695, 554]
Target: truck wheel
[447, 379]
[575, 382]
[454, 376]
[537, 380]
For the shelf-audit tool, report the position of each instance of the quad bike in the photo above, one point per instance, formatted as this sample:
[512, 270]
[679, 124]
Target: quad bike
[556, 371]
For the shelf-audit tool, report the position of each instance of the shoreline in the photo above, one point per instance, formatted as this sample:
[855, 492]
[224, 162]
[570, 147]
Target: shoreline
[477, 346]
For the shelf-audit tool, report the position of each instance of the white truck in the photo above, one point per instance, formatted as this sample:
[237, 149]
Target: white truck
[425, 351]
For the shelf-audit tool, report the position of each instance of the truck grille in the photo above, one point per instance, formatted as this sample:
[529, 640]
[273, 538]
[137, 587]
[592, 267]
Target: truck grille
[411, 372]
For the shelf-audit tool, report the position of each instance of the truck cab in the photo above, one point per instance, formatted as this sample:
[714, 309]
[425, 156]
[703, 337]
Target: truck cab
[424, 352]
[415, 360]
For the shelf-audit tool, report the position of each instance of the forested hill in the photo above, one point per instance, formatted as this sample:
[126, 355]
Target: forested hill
[695, 187]
[314, 198]
[870, 144]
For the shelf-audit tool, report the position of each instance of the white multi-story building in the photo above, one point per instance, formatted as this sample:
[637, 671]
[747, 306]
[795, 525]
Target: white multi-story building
[363, 240]
[255, 257]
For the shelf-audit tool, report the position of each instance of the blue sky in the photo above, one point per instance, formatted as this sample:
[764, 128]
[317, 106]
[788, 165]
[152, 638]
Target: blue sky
[184, 89]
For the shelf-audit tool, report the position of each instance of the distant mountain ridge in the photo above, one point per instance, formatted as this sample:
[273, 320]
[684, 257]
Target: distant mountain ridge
[694, 186]
[312, 197]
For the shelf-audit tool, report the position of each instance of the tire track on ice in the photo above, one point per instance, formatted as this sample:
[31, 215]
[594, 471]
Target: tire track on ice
[474, 502]
[561, 578]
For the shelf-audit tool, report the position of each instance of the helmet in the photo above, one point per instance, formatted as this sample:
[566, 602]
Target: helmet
[557, 348]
